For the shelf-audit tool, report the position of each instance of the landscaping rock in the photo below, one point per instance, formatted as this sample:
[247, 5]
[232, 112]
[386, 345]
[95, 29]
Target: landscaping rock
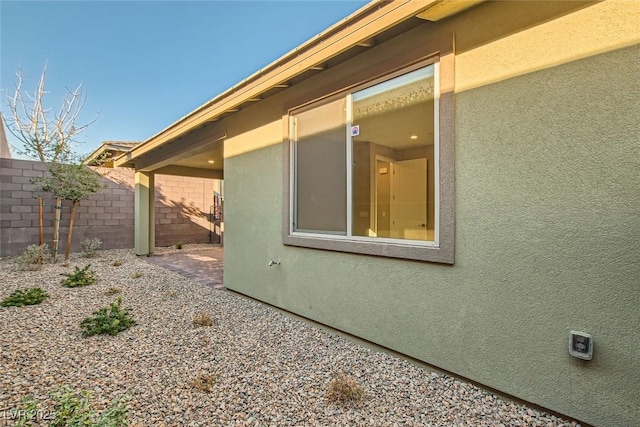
[268, 368]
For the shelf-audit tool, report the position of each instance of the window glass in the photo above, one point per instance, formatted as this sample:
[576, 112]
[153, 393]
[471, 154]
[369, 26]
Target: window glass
[393, 177]
[371, 171]
[320, 169]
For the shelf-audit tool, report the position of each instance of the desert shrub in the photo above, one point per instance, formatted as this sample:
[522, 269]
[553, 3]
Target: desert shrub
[112, 291]
[80, 277]
[116, 263]
[71, 408]
[137, 275]
[31, 296]
[108, 320]
[33, 257]
[90, 247]
[179, 245]
[203, 382]
[344, 389]
[202, 319]
[28, 411]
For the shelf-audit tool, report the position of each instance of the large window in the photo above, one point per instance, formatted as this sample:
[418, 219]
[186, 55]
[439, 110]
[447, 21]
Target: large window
[365, 169]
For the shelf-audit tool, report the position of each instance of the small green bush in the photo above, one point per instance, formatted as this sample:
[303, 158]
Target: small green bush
[179, 245]
[90, 247]
[108, 320]
[80, 277]
[72, 408]
[33, 257]
[31, 296]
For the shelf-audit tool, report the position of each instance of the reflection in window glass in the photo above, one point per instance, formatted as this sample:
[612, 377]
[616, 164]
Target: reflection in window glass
[393, 179]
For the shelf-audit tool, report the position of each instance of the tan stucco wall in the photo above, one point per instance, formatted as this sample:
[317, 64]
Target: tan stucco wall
[547, 224]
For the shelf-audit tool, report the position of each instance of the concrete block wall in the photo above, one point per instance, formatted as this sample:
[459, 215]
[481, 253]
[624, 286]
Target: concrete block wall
[182, 207]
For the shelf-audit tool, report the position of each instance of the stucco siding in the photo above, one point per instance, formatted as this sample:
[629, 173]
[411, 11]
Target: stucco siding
[548, 195]
[547, 231]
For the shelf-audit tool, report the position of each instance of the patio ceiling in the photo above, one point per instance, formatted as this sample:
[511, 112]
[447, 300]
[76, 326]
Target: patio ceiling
[199, 153]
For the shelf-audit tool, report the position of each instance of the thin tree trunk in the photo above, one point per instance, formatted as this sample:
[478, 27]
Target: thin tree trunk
[56, 229]
[40, 225]
[73, 214]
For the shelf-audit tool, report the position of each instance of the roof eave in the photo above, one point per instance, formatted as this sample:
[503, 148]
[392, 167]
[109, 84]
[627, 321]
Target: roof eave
[357, 28]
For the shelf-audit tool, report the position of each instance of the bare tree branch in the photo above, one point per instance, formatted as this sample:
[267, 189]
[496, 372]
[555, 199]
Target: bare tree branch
[45, 136]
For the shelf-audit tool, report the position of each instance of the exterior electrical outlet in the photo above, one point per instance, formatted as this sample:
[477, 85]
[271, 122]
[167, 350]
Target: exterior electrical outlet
[581, 345]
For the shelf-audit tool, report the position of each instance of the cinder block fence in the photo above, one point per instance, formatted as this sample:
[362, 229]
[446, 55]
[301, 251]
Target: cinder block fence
[182, 210]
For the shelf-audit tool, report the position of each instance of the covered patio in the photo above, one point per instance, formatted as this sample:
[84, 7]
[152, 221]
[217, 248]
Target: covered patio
[199, 154]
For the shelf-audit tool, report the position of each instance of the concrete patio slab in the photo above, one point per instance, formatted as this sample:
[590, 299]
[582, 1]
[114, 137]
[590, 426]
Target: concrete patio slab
[202, 264]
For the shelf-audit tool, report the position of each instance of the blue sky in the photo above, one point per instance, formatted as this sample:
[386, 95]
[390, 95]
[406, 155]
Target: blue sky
[145, 64]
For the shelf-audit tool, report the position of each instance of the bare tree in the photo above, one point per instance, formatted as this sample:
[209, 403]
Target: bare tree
[46, 134]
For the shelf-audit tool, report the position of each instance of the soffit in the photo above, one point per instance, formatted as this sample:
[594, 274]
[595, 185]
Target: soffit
[374, 23]
[445, 8]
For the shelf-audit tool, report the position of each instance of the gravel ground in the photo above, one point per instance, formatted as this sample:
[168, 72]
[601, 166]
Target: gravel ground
[270, 369]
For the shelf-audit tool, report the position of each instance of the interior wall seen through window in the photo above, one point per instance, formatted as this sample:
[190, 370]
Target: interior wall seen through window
[393, 158]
